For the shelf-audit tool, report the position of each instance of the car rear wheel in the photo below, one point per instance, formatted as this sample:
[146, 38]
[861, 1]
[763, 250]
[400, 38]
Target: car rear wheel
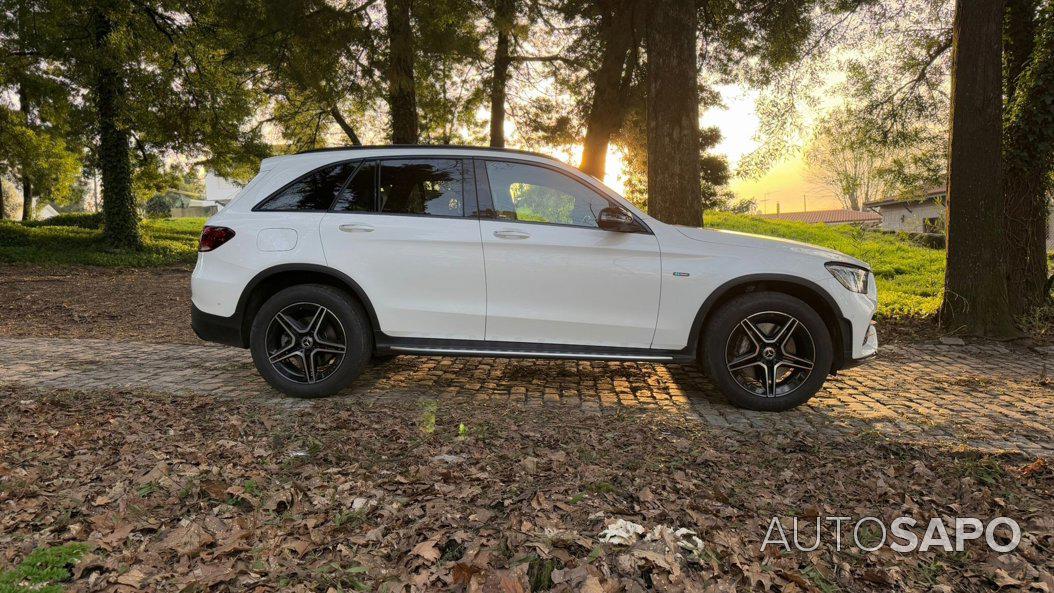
[310, 340]
[767, 351]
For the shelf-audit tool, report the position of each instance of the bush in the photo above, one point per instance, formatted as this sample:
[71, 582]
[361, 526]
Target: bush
[158, 207]
[84, 220]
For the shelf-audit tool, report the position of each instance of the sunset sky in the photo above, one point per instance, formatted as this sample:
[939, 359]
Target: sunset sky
[784, 184]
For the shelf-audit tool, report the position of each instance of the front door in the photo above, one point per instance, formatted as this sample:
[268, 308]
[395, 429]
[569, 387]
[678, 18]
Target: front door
[553, 276]
[400, 230]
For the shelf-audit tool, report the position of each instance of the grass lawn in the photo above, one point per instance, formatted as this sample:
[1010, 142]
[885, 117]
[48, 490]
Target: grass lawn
[167, 242]
[910, 277]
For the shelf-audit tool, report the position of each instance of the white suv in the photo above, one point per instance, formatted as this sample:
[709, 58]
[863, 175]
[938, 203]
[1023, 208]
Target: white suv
[331, 257]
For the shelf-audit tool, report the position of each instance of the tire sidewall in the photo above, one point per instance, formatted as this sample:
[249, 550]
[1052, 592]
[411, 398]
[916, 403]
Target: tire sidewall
[724, 321]
[352, 318]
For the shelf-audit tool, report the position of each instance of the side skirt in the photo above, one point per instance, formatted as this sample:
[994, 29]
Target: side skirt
[483, 348]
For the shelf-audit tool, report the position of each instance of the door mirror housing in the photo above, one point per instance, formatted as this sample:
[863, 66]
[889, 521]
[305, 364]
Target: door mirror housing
[617, 220]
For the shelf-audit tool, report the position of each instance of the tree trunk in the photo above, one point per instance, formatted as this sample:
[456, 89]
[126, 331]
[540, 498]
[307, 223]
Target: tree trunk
[975, 294]
[1028, 154]
[620, 40]
[402, 96]
[120, 219]
[504, 21]
[27, 198]
[27, 183]
[674, 192]
[349, 131]
[1019, 31]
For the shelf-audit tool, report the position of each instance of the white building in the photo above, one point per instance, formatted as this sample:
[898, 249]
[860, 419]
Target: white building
[926, 214]
[219, 189]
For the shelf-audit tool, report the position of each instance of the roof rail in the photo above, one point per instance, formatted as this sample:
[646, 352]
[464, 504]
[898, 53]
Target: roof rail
[427, 146]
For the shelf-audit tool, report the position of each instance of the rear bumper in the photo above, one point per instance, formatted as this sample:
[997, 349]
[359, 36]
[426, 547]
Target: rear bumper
[213, 328]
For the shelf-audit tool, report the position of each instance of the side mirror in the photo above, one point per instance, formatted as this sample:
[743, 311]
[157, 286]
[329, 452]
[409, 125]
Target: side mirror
[617, 220]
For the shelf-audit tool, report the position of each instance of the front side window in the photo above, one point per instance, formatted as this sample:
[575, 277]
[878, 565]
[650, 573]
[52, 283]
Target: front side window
[312, 192]
[535, 194]
[434, 187]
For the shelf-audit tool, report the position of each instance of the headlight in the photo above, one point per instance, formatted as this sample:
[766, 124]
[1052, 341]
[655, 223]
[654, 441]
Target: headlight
[851, 277]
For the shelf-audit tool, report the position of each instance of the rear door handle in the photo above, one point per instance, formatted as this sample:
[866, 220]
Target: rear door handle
[356, 227]
[506, 234]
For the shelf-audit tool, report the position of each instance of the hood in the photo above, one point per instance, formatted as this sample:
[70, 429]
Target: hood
[737, 239]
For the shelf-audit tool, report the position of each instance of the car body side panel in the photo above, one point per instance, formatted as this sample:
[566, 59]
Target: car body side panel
[424, 275]
[693, 269]
[570, 285]
[220, 276]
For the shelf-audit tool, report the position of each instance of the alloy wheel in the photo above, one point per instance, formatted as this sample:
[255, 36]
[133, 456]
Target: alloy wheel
[770, 354]
[306, 342]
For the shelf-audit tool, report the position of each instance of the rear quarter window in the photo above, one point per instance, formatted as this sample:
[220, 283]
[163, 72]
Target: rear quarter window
[313, 192]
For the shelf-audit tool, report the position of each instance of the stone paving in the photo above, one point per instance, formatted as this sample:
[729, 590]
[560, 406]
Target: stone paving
[977, 397]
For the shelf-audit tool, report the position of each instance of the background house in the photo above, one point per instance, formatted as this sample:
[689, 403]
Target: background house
[830, 217]
[925, 214]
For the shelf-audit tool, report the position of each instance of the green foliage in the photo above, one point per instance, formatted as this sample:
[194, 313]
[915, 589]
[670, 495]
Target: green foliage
[84, 220]
[40, 153]
[42, 570]
[910, 277]
[165, 242]
[158, 207]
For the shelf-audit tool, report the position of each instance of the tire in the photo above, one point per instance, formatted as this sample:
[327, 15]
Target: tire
[316, 320]
[764, 368]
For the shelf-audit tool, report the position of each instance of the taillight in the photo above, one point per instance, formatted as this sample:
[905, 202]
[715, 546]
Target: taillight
[214, 236]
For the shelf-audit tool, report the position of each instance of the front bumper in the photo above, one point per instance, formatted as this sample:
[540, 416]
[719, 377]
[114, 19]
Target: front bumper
[214, 328]
[868, 350]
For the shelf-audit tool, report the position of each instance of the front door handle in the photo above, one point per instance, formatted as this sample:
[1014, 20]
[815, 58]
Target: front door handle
[356, 227]
[507, 234]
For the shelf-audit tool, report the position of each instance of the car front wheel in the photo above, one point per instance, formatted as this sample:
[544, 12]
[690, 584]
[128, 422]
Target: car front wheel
[310, 340]
[767, 351]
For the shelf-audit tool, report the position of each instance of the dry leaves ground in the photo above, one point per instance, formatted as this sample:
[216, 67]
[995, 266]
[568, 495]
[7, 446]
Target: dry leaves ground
[192, 493]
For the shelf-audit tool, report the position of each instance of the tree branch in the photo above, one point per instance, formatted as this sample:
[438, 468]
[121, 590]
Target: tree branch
[349, 131]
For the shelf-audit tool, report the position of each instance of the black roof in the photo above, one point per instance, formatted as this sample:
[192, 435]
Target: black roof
[425, 146]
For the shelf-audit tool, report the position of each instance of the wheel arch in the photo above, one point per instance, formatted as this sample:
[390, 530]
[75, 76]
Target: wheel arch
[809, 292]
[268, 282]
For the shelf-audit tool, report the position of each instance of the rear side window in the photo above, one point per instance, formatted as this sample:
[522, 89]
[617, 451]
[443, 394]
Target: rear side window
[358, 195]
[312, 192]
[434, 187]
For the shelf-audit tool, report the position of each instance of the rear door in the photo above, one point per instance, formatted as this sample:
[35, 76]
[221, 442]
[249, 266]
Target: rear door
[406, 231]
[553, 276]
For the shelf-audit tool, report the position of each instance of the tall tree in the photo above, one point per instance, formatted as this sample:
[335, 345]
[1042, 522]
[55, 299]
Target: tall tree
[620, 33]
[38, 143]
[120, 218]
[504, 22]
[316, 62]
[114, 54]
[841, 161]
[1028, 147]
[402, 93]
[975, 292]
[673, 114]
[898, 87]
